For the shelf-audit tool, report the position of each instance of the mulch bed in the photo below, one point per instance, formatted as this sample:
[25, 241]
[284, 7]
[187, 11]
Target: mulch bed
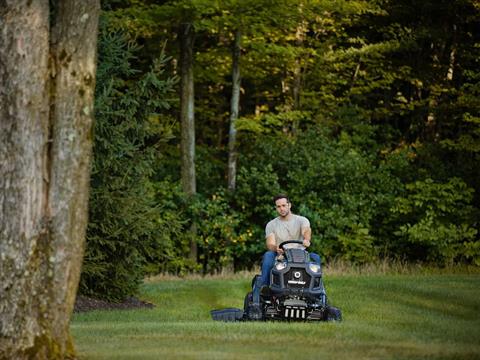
[84, 303]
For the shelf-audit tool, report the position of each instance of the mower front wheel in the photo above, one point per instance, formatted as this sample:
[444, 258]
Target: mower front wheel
[252, 311]
[333, 314]
[248, 301]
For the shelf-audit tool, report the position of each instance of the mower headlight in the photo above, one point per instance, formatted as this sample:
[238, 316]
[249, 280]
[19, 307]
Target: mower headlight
[314, 267]
[280, 265]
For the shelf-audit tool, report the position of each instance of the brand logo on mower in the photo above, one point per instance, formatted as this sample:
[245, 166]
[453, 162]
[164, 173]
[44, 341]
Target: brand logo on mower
[297, 275]
[296, 282]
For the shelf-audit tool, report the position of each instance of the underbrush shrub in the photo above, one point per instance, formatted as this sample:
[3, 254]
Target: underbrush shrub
[340, 187]
[436, 222]
[167, 251]
[216, 232]
[252, 202]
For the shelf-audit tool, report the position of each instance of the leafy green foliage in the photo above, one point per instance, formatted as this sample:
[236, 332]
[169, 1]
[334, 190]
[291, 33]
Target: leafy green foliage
[257, 184]
[438, 219]
[336, 185]
[217, 232]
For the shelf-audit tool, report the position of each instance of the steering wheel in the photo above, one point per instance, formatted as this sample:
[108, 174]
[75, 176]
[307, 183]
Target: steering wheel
[290, 242]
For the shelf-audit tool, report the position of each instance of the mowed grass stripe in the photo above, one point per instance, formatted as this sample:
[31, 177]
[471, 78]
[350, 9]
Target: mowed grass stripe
[385, 317]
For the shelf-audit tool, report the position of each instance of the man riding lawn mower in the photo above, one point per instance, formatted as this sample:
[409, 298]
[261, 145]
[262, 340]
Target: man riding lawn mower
[290, 286]
[296, 292]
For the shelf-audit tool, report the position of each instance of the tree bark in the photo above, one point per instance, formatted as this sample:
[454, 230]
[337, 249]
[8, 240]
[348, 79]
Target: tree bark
[300, 35]
[234, 111]
[187, 120]
[453, 51]
[297, 71]
[432, 127]
[47, 72]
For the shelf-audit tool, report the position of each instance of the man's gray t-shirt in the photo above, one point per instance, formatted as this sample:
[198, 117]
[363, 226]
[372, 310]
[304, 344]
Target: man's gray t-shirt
[287, 230]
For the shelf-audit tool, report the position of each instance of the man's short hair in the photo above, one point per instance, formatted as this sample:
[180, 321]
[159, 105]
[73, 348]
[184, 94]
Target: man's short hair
[280, 196]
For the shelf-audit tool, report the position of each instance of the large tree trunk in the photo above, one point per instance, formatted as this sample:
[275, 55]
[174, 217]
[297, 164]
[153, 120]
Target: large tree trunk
[234, 110]
[46, 106]
[187, 120]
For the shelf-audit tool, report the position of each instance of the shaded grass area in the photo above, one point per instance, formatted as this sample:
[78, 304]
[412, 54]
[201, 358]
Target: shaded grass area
[385, 317]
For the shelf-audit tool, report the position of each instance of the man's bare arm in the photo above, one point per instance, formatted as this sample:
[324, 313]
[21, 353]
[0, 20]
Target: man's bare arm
[271, 243]
[307, 236]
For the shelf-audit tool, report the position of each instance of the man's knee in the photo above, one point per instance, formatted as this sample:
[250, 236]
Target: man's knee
[267, 265]
[269, 256]
[268, 259]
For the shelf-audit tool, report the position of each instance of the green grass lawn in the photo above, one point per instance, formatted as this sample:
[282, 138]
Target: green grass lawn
[411, 316]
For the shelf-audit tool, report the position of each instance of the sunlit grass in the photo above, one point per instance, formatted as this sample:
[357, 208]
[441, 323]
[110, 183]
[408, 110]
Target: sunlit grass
[386, 316]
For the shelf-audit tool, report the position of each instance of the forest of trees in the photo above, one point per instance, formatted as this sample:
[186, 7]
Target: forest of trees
[365, 112]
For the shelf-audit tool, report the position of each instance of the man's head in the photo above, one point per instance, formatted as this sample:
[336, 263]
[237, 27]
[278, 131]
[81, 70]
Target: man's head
[283, 205]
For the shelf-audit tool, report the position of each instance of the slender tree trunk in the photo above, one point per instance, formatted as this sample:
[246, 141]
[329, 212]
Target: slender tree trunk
[453, 51]
[46, 106]
[234, 110]
[355, 74]
[297, 71]
[187, 120]
[432, 128]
